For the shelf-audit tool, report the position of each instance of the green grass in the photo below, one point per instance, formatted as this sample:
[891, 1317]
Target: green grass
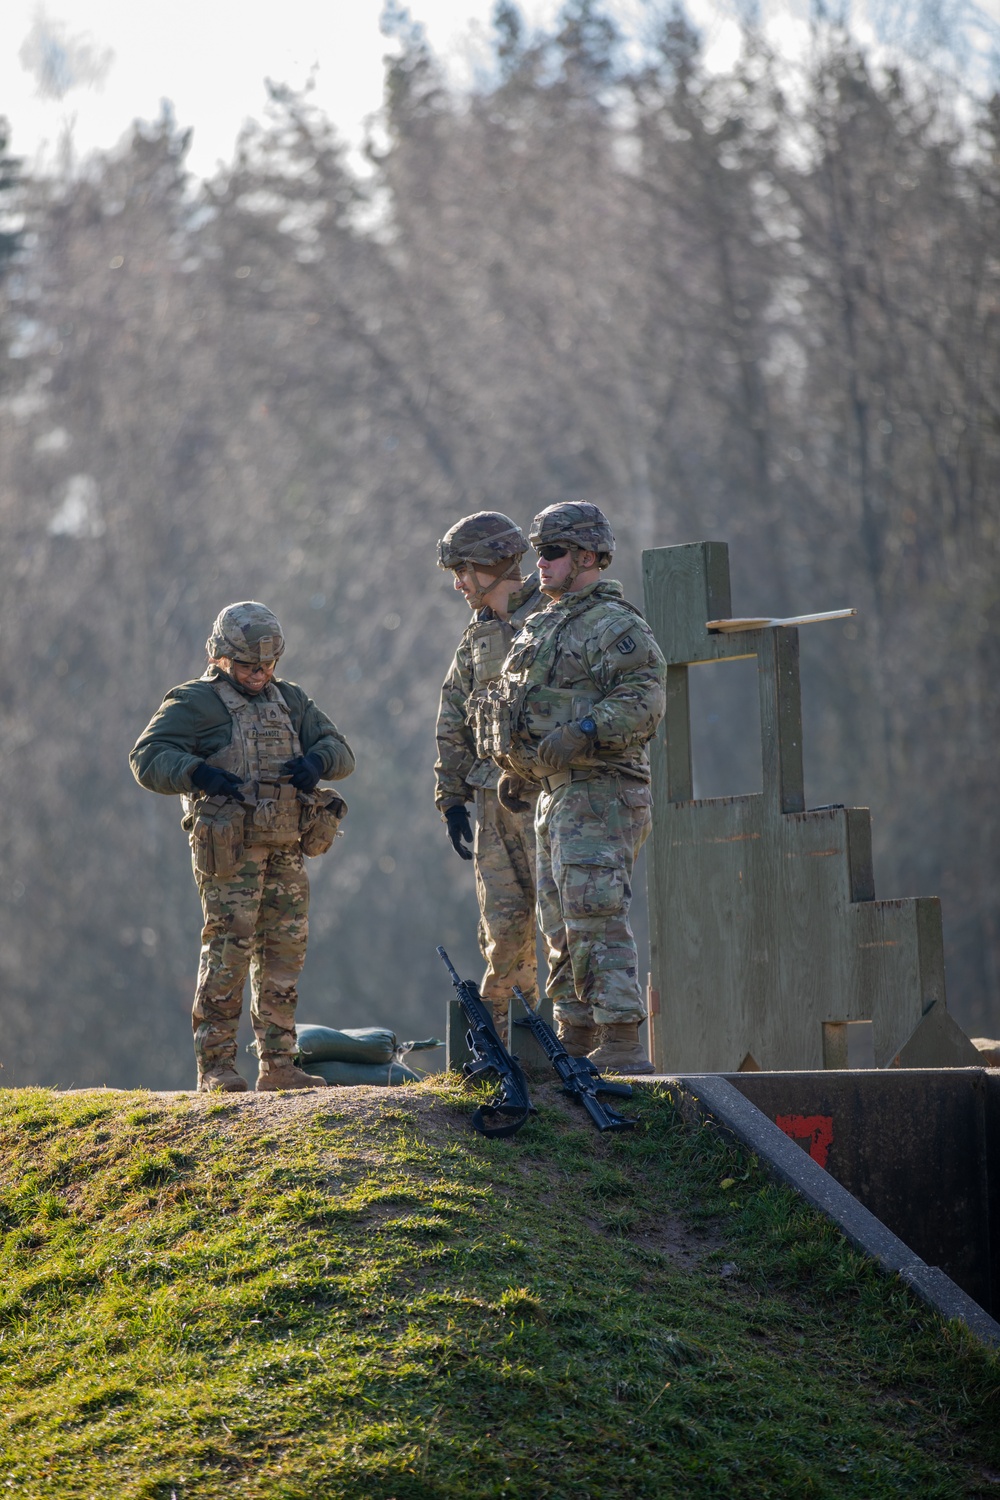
[367, 1300]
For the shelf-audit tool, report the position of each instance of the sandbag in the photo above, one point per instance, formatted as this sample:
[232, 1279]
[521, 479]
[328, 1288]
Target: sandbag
[375, 1044]
[348, 1074]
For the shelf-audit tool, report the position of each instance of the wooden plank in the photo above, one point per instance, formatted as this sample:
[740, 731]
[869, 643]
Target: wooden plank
[677, 733]
[781, 720]
[861, 868]
[764, 623]
[684, 587]
[835, 1045]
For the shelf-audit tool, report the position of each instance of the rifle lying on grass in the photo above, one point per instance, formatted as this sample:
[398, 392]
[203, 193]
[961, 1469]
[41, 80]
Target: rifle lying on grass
[510, 1108]
[580, 1079]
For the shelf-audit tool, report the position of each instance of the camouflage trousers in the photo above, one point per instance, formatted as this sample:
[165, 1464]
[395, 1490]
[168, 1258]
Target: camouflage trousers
[589, 833]
[256, 923]
[504, 853]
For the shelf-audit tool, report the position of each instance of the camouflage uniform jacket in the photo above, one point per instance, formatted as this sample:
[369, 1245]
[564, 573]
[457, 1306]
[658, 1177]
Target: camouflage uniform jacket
[588, 652]
[192, 723]
[460, 765]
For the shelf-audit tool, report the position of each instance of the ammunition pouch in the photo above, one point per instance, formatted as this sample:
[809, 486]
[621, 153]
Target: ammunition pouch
[494, 716]
[320, 817]
[273, 815]
[215, 827]
[514, 717]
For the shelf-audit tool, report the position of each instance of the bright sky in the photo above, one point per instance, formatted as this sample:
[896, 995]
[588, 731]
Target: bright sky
[210, 58]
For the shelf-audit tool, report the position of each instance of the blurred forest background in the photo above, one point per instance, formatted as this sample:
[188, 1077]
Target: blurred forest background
[761, 307]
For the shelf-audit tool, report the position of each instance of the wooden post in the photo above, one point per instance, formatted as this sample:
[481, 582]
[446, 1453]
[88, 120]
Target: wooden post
[456, 1051]
[781, 719]
[523, 1044]
[677, 736]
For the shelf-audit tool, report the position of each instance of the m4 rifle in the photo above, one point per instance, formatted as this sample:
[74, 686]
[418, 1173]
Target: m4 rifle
[509, 1109]
[580, 1079]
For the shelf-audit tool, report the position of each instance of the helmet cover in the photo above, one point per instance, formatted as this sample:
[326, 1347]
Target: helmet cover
[246, 632]
[575, 523]
[486, 538]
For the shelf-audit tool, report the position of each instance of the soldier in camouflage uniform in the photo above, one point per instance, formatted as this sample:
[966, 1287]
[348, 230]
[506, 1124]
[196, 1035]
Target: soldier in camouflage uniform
[484, 551]
[580, 695]
[247, 752]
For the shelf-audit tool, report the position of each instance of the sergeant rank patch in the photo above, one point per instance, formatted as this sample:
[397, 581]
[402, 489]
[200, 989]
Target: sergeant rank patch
[626, 645]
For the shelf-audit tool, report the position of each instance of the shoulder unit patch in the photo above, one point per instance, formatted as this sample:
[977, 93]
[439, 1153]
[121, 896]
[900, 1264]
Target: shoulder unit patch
[626, 645]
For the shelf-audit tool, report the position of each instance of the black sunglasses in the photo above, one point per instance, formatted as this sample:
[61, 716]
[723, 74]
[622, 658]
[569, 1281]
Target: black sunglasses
[551, 551]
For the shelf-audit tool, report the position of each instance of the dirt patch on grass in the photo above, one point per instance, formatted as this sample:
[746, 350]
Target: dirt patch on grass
[425, 1105]
[284, 1115]
[687, 1248]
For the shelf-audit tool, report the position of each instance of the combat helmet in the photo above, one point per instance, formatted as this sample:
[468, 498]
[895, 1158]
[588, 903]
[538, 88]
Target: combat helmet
[246, 632]
[486, 538]
[576, 523]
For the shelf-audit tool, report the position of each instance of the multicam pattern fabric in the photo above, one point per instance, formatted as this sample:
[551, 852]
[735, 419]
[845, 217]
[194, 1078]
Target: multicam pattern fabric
[460, 766]
[263, 738]
[588, 652]
[256, 923]
[589, 833]
[576, 522]
[246, 632]
[504, 854]
[256, 908]
[504, 847]
[487, 537]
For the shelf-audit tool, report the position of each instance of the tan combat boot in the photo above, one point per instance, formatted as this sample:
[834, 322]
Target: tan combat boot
[281, 1073]
[222, 1079]
[577, 1036]
[619, 1050]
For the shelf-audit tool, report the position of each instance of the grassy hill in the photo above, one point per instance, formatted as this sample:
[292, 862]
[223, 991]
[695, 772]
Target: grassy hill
[350, 1294]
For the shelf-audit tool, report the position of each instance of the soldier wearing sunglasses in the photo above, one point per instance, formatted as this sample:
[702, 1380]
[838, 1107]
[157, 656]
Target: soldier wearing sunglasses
[581, 694]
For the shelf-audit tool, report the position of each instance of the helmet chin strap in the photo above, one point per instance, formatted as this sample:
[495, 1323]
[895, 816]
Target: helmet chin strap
[571, 576]
[478, 599]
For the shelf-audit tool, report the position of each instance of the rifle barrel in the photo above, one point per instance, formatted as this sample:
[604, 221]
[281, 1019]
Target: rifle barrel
[455, 976]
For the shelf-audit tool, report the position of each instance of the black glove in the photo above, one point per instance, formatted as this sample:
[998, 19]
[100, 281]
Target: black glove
[459, 828]
[215, 782]
[304, 771]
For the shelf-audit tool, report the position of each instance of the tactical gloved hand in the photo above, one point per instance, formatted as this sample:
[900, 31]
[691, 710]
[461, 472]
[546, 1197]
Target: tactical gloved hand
[304, 771]
[509, 789]
[459, 829]
[568, 742]
[215, 782]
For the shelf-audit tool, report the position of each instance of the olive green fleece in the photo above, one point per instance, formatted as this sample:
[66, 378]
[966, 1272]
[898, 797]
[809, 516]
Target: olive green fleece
[192, 723]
